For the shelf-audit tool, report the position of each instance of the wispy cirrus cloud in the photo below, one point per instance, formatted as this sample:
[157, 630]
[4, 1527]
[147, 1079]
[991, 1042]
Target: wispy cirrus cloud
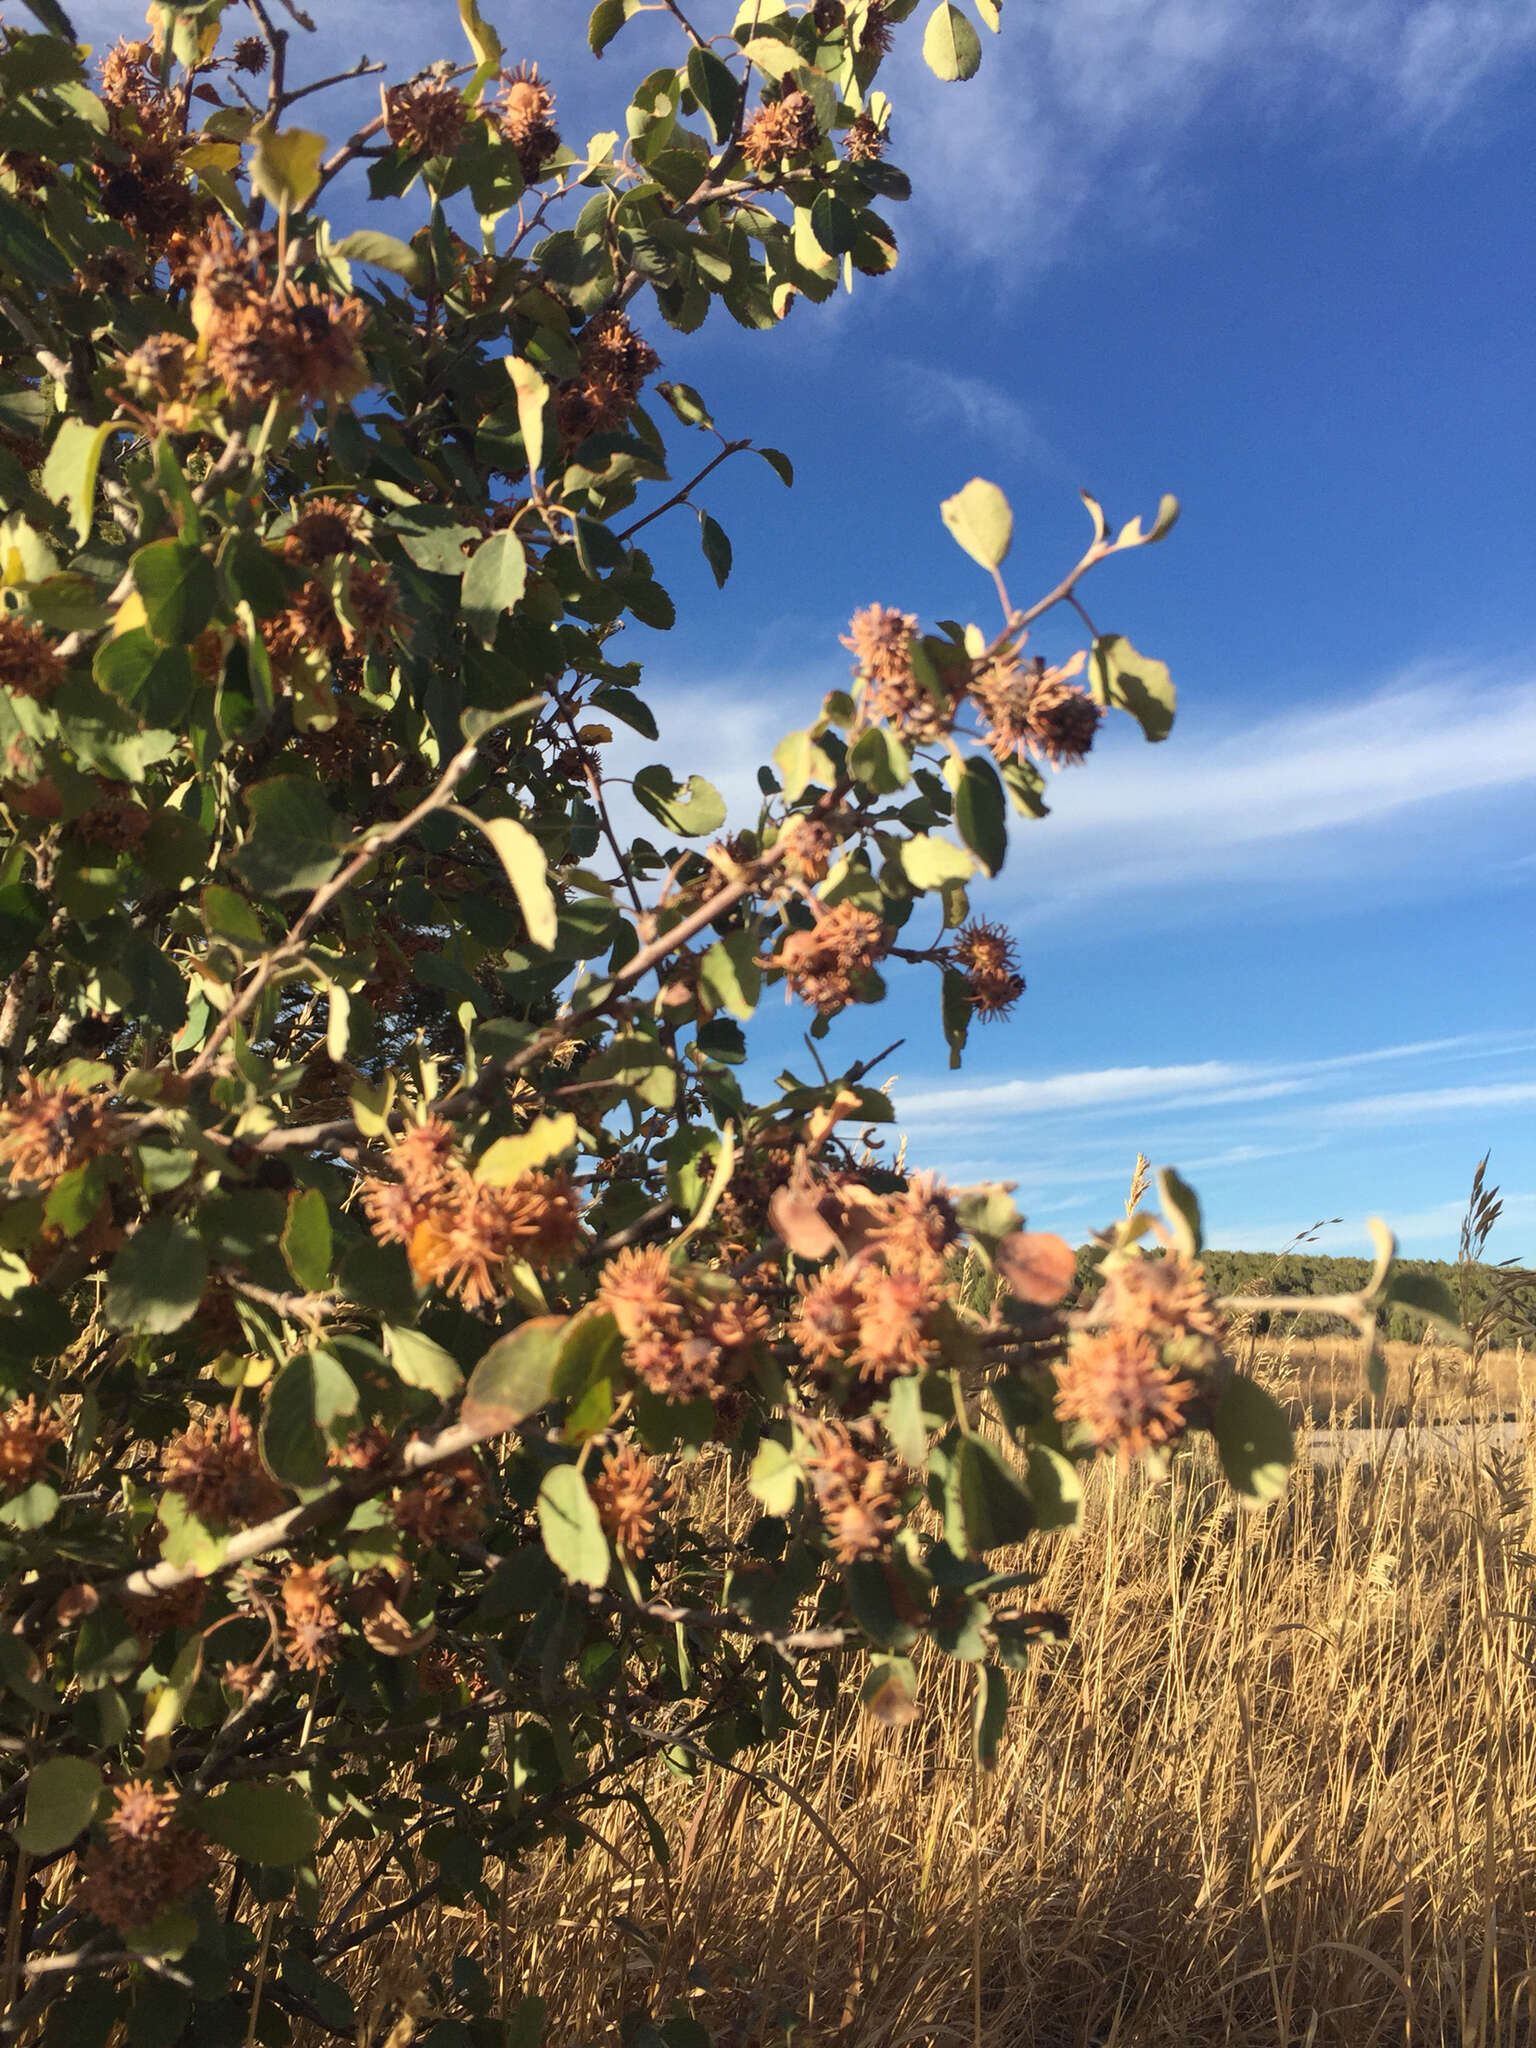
[1210, 1084]
[1092, 101]
[1066, 1139]
[1339, 796]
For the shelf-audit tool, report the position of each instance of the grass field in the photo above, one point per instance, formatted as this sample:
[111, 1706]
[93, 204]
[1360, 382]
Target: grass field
[1279, 1787]
[1324, 1380]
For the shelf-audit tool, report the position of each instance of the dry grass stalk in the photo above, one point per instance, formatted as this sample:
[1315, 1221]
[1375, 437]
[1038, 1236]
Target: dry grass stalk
[1279, 1787]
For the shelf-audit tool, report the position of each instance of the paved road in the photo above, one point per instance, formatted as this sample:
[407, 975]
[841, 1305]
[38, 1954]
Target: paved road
[1431, 1440]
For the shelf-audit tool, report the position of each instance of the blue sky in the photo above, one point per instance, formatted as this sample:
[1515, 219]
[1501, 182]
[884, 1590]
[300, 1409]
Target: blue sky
[1276, 259]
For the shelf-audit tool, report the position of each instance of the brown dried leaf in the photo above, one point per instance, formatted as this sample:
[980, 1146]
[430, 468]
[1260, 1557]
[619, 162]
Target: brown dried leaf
[796, 1214]
[74, 1603]
[387, 1631]
[1037, 1266]
[890, 1702]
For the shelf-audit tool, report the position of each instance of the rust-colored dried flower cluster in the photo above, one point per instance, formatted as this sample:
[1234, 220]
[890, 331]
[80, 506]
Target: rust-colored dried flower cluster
[866, 141]
[882, 642]
[27, 1433]
[216, 1469]
[1029, 708]
[983, 953]
[687, 1332]
[149, 1615]
[1114, 1385]
[143, 184]
[443, 1505]
[311, 1624]
[781, 130]
[47, 1128]
[527, 113]
[459, 1232]
[807, 846]
[615, 363]
[877, 1310]
[280, 340]
[826, 965]
[1167, 1298]
[426, 117]
[1129, 1386]
[626, 1492]
[1026, 708]
[324, 528]
[29, 664]
[855, 1492]
[148, 1861]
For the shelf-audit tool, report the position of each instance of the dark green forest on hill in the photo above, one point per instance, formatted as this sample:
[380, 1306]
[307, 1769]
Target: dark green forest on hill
[1508, 1294]
[1497, 1303]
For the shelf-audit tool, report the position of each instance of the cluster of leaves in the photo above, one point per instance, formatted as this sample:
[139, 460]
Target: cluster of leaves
[389, 1240]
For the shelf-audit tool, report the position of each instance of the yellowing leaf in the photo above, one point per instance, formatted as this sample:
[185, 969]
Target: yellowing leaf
[528, 872]
[285, 165]
[129, 617]
[532, 391]
[545, 1139]
[981, 520]
[483, 39]
[69, 474]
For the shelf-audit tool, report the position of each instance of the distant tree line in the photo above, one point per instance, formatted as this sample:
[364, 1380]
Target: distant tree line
[1502, 1298]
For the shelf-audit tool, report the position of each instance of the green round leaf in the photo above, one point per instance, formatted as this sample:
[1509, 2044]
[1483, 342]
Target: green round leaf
[285, 165]
[981, 810]
[180, 588]
[493, 583]
[158, 1277]
[572, 1533]
[951, 47]
[689, 808]
[61, 1801]
[1254, 1440]
[928, 862]
[514, 1378]
[994, 1505]
[294, 837]
[306, 1240]
[528, 872]
[421, 1363]
[310, 1393]
[270, 1824]
[1134, 683]
[981, 520]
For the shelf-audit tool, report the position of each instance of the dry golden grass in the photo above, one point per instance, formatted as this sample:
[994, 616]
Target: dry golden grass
[1279, 1787]
[1324, 1378]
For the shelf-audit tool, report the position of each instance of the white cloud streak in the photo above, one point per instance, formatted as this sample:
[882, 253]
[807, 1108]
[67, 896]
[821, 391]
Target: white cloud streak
[1209, 1084]
[1090, 101]
[1338, 795]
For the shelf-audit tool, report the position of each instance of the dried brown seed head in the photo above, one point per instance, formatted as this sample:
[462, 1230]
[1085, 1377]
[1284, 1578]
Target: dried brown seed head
[426, 117]
[527, 112]
[625, 1492]
[1115, 1386]
[29, 664]
[215, 1468]
[27, 1431]
[779, 130]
